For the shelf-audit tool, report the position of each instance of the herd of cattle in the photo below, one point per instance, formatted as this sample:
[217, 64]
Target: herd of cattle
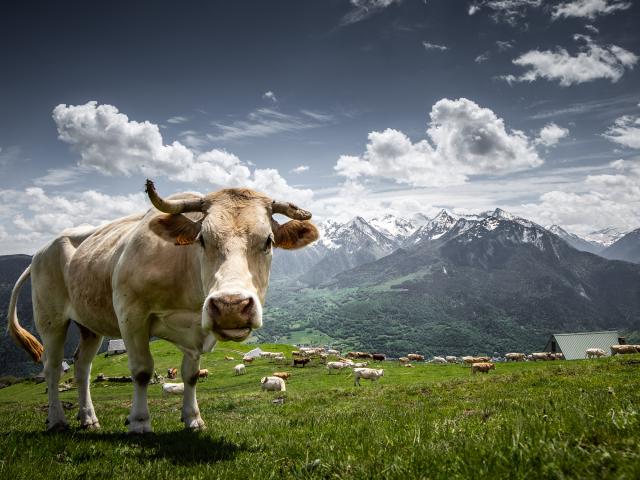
[299, 358]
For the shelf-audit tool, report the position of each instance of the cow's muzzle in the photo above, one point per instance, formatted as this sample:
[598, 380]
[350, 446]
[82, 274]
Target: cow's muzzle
[232, 316]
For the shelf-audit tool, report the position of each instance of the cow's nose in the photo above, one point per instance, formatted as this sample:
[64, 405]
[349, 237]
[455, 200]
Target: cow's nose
[231, 307]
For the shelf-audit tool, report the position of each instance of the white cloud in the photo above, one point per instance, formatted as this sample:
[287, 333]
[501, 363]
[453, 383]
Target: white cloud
[504, 44]
[465, 139]
[363, 9]
[110, 143]
[483, 57]
[434, 46]
[300, 169]
[509, 11]
[592, 29]
[60, 176]
[269, 95]
[266, 121]
[177, 119]
[593, 62]
[625, 131]
[589, 8]
[551, 134]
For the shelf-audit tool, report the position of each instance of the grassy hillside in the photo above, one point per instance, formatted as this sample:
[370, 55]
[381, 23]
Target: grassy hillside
[532, 420]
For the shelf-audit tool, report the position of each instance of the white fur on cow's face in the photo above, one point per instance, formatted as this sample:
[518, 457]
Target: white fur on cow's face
[236, 251]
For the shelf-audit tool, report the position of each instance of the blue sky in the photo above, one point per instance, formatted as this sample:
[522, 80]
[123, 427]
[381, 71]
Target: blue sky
[344, 106]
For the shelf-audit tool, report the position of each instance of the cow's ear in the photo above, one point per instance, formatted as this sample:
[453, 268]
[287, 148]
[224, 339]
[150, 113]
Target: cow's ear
[294, 234]
[176, 228]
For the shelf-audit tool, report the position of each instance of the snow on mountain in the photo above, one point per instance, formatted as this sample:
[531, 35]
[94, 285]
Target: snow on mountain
[396, 228]
[606, 236]
[574, 240]
[433, 229]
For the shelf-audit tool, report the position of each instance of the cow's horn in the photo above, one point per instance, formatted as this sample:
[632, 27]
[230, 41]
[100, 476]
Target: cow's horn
[290, 210]
[173, 206]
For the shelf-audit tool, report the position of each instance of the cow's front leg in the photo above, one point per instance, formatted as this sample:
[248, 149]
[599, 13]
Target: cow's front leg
[190, 411]
[141, 366]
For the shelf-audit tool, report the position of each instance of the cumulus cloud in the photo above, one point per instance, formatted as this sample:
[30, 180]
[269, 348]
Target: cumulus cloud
[592, 62]
[464, 139]
[625, 131]
[269, 95]
[300, 169]
[551, 134]
[605, 200]
[107, 141]
[363, 9]
[589, 8]
[434, 46]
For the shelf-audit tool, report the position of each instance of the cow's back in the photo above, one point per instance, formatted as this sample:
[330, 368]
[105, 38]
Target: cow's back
[88, 276]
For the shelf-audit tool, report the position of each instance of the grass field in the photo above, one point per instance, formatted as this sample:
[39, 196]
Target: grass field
[561, 420]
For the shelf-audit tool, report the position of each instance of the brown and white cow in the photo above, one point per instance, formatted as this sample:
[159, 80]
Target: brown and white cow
[192, 270]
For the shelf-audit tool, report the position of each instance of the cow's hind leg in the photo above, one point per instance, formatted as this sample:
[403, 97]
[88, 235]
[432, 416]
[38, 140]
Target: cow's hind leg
[190, 411]
[53, 340]
[89, 345]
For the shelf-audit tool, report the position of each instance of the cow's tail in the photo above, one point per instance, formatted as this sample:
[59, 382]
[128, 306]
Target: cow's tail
[19, 334]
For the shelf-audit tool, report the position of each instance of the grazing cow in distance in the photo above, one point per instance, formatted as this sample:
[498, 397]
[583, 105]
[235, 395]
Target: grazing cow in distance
[336, 366]
[379, 357]
[300, 361]
[515, 357]
[240, 369]
[283, 375]
[414, 357]
[451, 359]
[482, 367]
[246, 359]
[594, 352]
[366, 373]
[624, 349]
[172, 373]
[203, 373]
[335, 353]
[274, 384]
[540, 356]
[172, 388]
[404, 360]
[439, 360]
[193, 270]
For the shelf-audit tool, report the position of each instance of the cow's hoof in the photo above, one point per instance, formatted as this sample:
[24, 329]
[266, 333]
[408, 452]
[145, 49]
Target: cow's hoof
[195, 424]
[94, 425]
[58, 427]
[138, 427]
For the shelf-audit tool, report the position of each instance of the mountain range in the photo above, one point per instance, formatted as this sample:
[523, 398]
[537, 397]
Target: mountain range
[450, 284]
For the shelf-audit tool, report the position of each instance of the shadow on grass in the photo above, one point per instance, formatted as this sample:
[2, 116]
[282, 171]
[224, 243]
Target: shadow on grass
[180, 448]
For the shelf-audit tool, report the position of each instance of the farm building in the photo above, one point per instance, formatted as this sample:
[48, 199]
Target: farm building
[574, 345]
[116, 347]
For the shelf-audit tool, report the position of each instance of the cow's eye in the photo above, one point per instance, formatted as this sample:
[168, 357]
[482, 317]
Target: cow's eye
[268, 244]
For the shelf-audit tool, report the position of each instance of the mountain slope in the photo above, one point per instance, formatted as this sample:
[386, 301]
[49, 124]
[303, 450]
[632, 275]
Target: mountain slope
[576, 241]
[626, 248]
[495, 284]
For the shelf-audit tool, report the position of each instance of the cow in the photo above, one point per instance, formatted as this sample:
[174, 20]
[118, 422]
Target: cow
[414, 357]
[379, 357]
[333, 352]
[403, 360]
[300, 361]
[192, 270]
[624, 349]
[282, 375]
[240, 369]
[203, 373]
[515, 357]
[172, 389]
[451, 359]
[535, 356]
[367, 373]
[439, 360]
[594, 352]
[482, 367]
[247, 359]
[274, 384]
[172, 373]
[336, 366]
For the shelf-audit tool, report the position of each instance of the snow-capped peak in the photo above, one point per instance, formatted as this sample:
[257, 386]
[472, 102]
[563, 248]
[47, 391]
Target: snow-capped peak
[605, 236]
[393, 227]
